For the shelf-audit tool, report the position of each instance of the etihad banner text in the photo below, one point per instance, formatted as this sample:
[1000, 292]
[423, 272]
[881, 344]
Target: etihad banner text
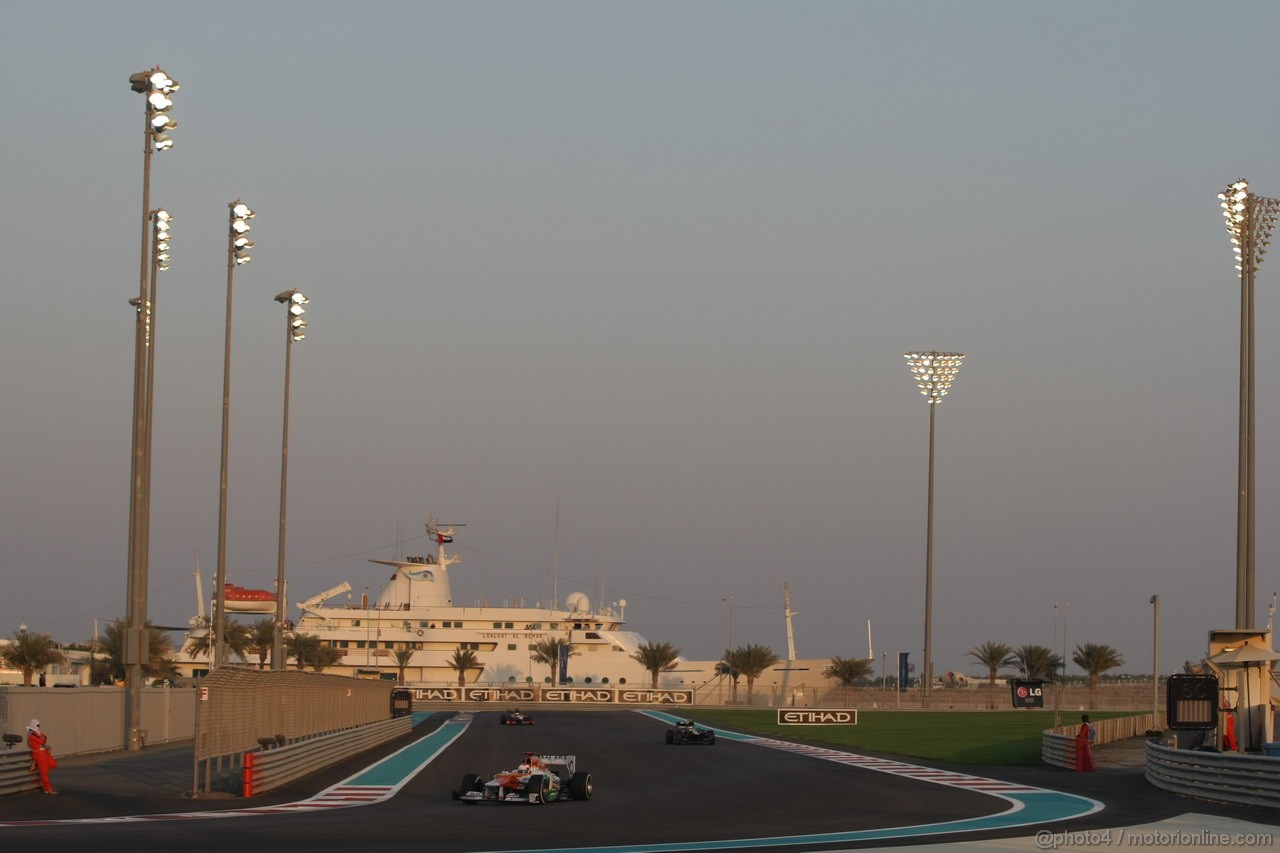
[564, 695]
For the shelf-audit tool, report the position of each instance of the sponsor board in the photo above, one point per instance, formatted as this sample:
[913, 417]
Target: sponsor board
[655, 697]
[817, 717]
[1027, 692]
[564, 695]
[583, 695]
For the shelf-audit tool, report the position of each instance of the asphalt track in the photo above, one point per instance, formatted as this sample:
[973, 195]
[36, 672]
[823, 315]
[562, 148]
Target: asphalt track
[743, 793]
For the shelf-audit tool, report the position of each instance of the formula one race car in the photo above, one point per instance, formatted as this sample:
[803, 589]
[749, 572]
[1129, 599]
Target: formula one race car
[515, 718]
[538, 779]
[686, 731]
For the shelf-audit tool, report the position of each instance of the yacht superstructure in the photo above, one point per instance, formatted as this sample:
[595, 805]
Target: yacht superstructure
[413, 630]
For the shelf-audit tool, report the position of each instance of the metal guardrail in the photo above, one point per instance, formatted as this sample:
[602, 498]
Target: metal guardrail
[16, 774]
[269, 768]
[1058, 750]
[1227, 777]
[1058, 745]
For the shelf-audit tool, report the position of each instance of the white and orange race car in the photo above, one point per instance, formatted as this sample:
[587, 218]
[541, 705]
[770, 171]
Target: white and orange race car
[538, 779]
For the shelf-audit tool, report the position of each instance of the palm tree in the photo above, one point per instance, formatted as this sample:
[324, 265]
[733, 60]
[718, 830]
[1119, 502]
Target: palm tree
[261, 636]
[166, 668]
[1036, 661]
[463, 660]
[993, 655]
[848, 671]
[304, 648]
[402, 656]
[111, 643]
[235, 635]
[1095, 659]
[547, 652]
[752, 660]
[324, 655]
[657, 658]
[29, 653]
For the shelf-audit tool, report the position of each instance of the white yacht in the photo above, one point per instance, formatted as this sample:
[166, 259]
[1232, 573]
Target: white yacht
[415, 613]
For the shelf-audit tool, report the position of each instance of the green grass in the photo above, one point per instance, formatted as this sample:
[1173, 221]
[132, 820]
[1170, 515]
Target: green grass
[955, 737]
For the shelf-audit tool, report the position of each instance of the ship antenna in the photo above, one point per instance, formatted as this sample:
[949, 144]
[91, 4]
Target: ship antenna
[791, 637]
[555, 560]
[443, 534]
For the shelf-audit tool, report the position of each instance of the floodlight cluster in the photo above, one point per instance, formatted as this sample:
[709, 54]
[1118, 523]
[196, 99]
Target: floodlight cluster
[160, 220]
[934, 372]
[1251, 220]
[297, 326]
[240, 242]
[157, 86]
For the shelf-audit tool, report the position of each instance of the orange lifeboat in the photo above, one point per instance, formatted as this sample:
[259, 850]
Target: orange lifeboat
[240, 599]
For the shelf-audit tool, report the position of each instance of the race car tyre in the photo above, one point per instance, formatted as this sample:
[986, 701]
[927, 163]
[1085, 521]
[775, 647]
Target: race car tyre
[502, 721]
[580, 786]
[711, 739]
[537, 788]
[671, 736]
[471, 782]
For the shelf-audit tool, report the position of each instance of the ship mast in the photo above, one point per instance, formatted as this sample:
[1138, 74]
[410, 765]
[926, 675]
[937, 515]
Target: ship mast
[791, 637]
[443, 534]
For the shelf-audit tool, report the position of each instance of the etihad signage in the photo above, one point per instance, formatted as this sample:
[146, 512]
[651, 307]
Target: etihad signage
[475, 694]
[565, 695]
[817, 717]
[579, 695]
[655, 697]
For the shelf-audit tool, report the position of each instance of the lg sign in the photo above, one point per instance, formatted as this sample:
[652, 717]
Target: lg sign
[1027, 692]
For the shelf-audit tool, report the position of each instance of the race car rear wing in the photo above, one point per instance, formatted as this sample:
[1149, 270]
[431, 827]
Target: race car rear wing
[568, 762]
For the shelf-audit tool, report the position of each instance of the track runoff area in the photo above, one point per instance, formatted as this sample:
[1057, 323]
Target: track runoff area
[881, 800]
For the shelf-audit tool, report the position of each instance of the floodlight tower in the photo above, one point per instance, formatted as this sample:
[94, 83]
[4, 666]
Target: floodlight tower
[1251, 219]
[161, 223]
[934, 373]
[294, 331]
[238, 246]
[157, 86]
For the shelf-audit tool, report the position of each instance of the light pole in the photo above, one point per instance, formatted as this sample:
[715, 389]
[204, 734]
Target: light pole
[238, 245]
[157, 86]
[1155, 664]
[1251, 219]
[295, 330]
[934, 372]
[161, 222]
[1066, 608]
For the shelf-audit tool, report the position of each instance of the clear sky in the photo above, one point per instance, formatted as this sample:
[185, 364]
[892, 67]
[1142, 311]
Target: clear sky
[626, 288]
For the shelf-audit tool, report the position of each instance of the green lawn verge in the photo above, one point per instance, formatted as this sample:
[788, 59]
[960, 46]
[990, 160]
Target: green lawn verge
[955, 737]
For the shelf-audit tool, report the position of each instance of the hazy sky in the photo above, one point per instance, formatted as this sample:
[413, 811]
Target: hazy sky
[655, 264]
